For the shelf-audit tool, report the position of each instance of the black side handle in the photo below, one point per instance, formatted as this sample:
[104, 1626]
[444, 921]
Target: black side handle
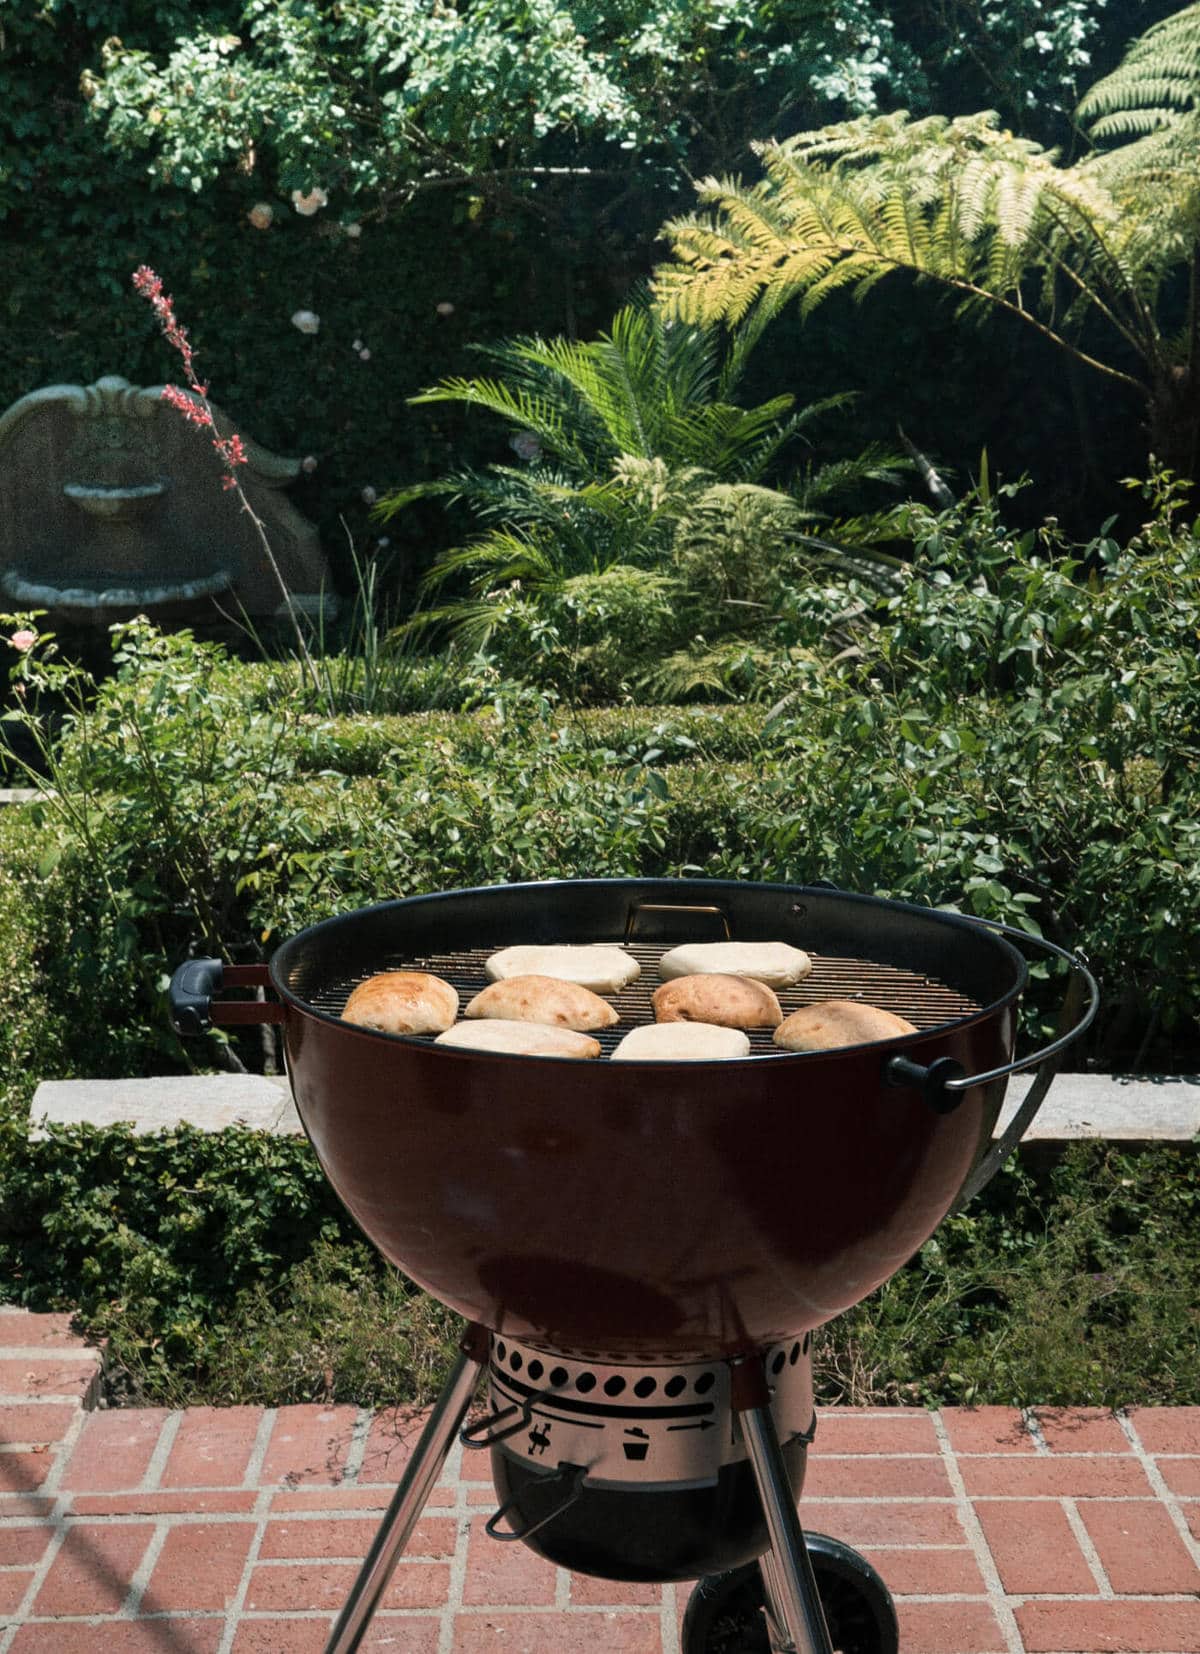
[191, 993]
[197, 980]
[932, 1082]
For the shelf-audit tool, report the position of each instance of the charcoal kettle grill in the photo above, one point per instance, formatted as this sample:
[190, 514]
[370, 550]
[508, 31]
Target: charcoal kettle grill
[641, 1250]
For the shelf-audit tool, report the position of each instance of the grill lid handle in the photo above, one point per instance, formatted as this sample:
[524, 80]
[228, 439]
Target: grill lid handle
[943, 1083]
[638, 909]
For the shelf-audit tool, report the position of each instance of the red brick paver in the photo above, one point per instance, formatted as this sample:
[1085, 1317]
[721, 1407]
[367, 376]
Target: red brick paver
[240, 1530]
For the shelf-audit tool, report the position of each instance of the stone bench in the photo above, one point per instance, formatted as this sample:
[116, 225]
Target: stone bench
[1141, 1109]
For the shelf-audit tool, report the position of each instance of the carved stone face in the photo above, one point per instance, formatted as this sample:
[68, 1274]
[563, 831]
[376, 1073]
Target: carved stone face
[111, 503]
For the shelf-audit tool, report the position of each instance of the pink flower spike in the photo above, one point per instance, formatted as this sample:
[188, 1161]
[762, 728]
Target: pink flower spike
[23, 640]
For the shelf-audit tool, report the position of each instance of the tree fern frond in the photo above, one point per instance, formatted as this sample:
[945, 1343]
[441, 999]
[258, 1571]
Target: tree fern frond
[1162, 67]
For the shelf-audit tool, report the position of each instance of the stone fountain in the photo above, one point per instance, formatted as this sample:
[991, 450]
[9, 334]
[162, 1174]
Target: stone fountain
[112, 504]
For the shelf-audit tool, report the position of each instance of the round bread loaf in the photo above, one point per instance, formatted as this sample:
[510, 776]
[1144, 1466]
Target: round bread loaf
[725, 1001]
[525, 1039]
[603, 969]
[681, 1042]
[837, 1022]
[778, 964]
[402, 1002]
[544, 999]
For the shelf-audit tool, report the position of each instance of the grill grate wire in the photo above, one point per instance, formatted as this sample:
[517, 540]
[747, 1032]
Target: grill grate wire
[924, 1000]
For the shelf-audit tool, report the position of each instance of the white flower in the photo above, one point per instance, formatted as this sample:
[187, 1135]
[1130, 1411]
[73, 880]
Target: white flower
[309, 463]
[525, 445]
[261, 215]
[364, 355]
[311, 203]
[368, 496]
[445, 308]
[353, 230]
[356, 344]
[307, 321]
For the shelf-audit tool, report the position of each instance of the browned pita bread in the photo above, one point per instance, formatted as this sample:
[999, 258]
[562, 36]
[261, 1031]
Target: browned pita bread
[726, 1001]
[837, 1022]
[544, 999]
[402, 1002]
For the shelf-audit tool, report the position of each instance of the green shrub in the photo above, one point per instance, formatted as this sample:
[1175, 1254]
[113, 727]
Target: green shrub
[1069, 1285]
[33, 1020]
[221, 1269]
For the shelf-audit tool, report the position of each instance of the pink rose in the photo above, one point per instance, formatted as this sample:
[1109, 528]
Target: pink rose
[23, 640]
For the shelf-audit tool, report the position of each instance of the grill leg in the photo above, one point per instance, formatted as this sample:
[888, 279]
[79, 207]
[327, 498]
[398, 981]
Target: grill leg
[408, 1501]
[794, 1612]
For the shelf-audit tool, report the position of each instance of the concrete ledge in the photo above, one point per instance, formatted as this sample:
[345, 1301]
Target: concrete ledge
[210, 1102]
[1155, 1108]
[1146, 1109]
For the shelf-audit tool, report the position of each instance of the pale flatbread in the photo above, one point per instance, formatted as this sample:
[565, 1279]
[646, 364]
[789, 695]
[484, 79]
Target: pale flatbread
[544, 999]
[402, 1002]
[605, 970]
[681, 1042]
[838, 1022]
[778, 964]
[726, 1001]
[526, 1039]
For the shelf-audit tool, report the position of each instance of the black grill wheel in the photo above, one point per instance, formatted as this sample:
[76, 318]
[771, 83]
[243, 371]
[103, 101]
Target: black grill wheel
[725, 1614]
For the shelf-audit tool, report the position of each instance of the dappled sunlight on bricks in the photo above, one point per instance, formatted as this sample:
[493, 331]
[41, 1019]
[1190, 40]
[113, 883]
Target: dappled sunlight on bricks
[38, 1379]
[212, 1448]
[114, 1449]
[94, 1568]
[1081, 1430]
[187, 1636]
[24, 1472]
[988, 1430]
[199, 1566]
[13, 1586]
[309, 1444]
[242, 1530]
[21, 1545]
[30, 1329]
[392, 1436]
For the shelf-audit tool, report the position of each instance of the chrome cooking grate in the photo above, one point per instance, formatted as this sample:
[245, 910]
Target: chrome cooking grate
[925, 1001]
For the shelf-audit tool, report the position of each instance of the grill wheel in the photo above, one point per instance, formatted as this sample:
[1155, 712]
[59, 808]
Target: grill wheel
[725, 1612]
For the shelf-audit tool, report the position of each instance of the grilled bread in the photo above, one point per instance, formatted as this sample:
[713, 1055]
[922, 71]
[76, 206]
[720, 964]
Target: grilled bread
[778, 964]
[526, 1039]
[725, 1001]
[681, 1042]
[837, 1022]
[544, 999]
[603, 969]
[402, 1002]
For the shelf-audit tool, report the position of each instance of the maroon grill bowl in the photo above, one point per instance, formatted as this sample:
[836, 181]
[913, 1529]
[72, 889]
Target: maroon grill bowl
[642, 1212]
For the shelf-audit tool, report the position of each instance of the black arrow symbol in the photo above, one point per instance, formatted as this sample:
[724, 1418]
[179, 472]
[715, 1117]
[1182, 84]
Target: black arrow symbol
[701, 1424]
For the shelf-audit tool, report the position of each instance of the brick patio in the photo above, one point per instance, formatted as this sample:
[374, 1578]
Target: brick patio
[239, 1530]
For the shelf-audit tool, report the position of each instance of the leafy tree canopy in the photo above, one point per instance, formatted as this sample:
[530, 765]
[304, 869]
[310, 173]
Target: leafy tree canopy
[384, 98]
